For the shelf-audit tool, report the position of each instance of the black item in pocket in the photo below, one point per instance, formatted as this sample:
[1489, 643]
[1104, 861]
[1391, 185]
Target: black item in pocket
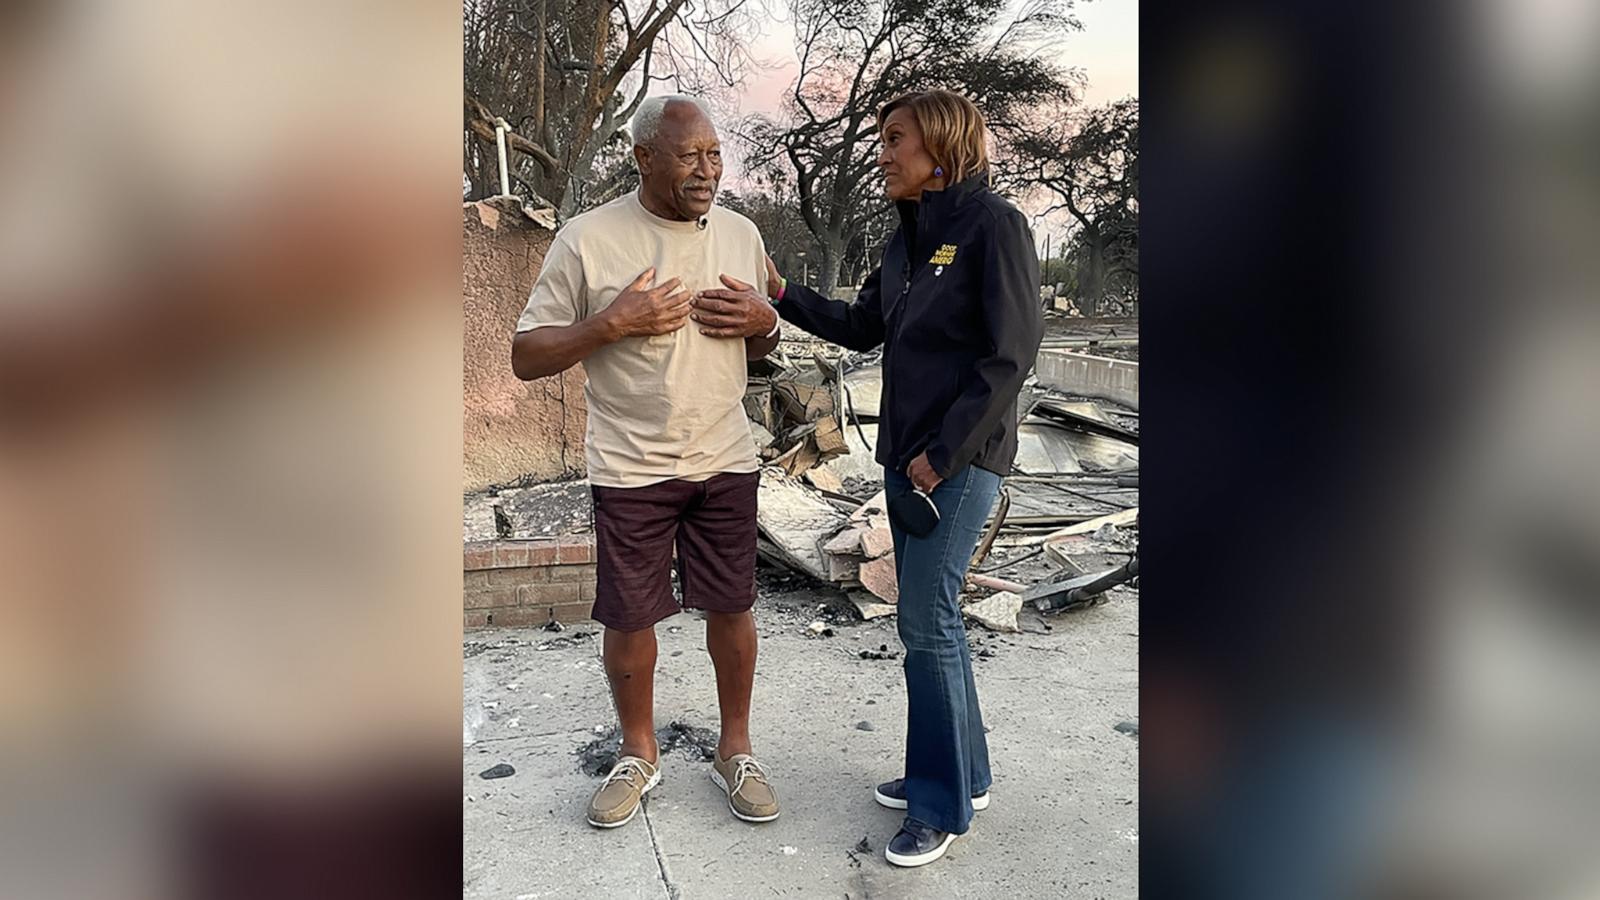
[914, 513]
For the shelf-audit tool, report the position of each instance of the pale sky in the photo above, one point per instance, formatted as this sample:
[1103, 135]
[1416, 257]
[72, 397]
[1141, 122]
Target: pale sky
[1107, 50]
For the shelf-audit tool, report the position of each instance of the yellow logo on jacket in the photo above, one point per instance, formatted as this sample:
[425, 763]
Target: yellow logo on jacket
[944, 256]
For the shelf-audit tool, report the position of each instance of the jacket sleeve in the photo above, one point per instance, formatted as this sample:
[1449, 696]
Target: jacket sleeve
[857, 326]
[1015, 325]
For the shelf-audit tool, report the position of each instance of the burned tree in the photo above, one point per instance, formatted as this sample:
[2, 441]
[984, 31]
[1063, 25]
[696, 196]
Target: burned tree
[555, 71]
[1089, 166]
[855, 57]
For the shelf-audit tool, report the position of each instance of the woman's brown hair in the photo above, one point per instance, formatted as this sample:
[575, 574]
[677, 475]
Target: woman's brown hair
[952, 130]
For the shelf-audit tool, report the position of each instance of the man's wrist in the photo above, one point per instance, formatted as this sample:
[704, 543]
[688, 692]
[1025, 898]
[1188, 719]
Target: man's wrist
[605, 326]
[777, 322]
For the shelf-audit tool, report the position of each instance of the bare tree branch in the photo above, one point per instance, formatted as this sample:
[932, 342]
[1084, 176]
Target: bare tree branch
[519, 61]
[482, 123]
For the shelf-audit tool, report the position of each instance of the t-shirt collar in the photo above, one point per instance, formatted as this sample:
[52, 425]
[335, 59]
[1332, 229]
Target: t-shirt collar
[689, 227]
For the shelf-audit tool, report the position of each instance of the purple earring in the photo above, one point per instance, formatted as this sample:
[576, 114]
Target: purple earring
[938, 171]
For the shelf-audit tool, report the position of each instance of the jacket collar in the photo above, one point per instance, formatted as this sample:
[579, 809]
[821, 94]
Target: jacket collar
[936, 205]
[954, 195]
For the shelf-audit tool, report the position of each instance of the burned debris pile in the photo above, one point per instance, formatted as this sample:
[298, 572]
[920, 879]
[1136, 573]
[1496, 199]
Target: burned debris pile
[1065, 526]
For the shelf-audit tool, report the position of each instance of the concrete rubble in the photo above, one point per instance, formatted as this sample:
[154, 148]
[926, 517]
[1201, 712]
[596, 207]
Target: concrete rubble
[869, 606]
[791, 518]
[822, 510]
[997, 612]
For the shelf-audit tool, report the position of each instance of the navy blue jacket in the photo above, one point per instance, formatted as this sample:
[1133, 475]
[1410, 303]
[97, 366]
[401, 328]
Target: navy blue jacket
[955, 305]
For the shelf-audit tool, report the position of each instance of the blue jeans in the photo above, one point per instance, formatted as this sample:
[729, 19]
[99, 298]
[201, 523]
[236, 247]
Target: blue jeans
[947, 756]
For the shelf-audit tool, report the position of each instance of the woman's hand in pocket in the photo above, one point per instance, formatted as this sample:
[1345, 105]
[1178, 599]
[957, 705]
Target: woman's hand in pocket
[922, 474]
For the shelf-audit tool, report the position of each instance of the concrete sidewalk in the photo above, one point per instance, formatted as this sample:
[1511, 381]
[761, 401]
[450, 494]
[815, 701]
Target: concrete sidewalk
[828, 725]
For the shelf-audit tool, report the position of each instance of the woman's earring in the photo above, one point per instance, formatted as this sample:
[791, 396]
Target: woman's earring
[938, 171]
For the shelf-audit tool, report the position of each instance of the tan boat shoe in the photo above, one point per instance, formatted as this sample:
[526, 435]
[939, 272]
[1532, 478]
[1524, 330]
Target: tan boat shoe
[619, 796]
[749, 795]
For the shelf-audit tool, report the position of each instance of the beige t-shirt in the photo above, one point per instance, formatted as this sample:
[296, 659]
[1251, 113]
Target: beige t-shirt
[662, 407]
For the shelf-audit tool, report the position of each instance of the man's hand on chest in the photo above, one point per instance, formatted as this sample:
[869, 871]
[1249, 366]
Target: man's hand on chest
[644, 309]
[737, 312]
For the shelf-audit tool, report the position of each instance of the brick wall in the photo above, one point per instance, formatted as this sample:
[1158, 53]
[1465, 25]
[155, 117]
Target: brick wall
[524, 583]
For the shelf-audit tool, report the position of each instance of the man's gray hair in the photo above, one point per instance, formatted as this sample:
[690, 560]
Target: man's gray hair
[647, 121]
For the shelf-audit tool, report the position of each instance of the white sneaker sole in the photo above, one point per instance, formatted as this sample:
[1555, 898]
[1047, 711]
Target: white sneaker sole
[920, 859]
[722, 783]
[654, 780]
[979, 803]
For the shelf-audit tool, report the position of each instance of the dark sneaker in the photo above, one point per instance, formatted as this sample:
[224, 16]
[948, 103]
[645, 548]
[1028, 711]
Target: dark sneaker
[618, 797]
[893, 795]
[917, 844]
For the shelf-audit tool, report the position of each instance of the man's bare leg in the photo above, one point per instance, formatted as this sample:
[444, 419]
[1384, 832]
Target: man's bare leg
[731, 639]
[630, 659]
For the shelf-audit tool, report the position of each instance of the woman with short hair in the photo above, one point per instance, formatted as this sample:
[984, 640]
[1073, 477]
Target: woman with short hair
[955, 305]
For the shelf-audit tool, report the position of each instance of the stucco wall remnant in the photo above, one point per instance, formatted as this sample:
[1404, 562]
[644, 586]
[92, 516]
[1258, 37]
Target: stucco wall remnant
[512, 430]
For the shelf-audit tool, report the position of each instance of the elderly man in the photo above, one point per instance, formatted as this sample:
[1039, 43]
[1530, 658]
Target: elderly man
[669, 450]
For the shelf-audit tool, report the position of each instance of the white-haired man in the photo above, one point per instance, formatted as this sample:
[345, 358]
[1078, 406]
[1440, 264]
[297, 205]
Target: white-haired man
[669, 451]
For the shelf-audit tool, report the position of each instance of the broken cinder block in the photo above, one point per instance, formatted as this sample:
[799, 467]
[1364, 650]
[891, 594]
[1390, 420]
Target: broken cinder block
[877, 541]
[878, 576]
[841, 568]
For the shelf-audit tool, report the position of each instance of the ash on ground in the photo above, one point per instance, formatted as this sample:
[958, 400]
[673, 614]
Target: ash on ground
[696, 744]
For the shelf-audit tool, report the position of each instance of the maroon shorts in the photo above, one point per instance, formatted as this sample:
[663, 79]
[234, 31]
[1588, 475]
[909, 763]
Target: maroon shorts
[711, 523]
